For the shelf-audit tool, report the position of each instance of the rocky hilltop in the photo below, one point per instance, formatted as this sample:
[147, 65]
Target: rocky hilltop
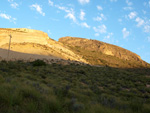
[100, 53]
[105, 48]
[35, 42]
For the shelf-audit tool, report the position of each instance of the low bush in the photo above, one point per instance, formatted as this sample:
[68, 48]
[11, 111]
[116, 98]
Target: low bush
[38, 63]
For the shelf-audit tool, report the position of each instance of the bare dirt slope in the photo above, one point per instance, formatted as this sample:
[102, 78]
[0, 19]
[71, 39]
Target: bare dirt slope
[22, 56]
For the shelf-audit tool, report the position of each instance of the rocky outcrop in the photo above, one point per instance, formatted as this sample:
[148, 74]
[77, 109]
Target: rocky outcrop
[23, 35]
[35, 42]
[105, 48]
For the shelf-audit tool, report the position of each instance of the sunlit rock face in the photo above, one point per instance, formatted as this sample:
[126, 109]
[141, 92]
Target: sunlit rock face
[35, 42]
[105, 48]
[23, 35]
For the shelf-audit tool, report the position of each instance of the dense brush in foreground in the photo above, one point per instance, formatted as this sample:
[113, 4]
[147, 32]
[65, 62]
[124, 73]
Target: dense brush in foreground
[37, 87]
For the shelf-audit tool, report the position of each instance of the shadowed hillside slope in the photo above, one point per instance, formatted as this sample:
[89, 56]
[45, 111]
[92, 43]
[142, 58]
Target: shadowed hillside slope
[100, 53]
[23, 56]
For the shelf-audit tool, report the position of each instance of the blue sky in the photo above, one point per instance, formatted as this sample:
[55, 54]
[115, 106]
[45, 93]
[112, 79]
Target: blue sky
[125, 23]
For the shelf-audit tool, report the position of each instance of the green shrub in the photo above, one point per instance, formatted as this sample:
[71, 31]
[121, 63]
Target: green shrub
[38, 63]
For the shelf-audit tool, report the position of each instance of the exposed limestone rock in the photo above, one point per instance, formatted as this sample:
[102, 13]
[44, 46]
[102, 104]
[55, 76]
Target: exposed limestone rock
[23, 35]
[35, 42]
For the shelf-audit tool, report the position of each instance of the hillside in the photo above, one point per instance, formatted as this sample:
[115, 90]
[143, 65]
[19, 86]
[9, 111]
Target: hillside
[100, 53]
[36, 87]
[35, 42]
[42, 75]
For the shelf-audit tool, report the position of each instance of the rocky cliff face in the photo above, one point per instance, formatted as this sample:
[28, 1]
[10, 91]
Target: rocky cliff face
[98, 46]
[35, 42]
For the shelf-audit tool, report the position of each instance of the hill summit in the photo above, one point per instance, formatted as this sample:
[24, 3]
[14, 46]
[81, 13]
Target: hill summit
[105, 48]
[100, 53]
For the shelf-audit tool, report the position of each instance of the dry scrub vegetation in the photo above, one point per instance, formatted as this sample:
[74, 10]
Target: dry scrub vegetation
[37, 87]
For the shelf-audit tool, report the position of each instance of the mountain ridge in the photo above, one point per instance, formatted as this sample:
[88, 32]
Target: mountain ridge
[69, 48]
